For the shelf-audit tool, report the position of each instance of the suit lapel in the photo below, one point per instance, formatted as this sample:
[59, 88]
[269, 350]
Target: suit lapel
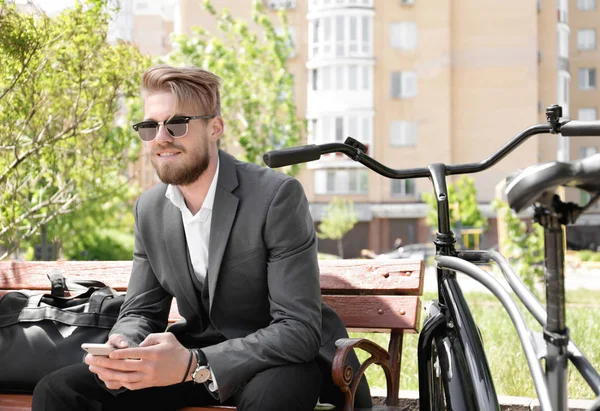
[223, 216]
[176, 246]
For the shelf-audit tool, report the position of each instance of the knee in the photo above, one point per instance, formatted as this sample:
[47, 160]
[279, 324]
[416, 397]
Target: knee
[56, 389]
[292, 387]
[47, 389]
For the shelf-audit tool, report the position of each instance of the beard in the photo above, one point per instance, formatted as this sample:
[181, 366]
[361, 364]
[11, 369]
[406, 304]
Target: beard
[184, 172]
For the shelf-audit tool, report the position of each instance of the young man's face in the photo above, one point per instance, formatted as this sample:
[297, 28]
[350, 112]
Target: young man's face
[179, 161]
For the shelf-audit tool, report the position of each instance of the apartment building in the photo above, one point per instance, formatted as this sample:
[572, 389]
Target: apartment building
[423, 82]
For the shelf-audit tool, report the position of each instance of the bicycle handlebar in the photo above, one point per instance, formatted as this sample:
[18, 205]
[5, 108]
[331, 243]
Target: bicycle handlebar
[302, 154]
[580, 129]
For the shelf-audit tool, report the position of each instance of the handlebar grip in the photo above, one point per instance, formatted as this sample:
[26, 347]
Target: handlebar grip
[292, 155]
[580, 129]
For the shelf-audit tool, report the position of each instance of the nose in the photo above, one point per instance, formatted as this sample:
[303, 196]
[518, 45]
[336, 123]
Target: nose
[162, 134]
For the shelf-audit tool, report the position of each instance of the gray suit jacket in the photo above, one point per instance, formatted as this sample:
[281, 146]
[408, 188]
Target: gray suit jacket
[263, 276]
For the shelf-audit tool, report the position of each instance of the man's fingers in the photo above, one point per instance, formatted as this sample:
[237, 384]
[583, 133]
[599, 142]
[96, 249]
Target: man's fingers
[131, 353]
[117, 340]
[157, 338]
[118, 365]
[107, 374]
[112, 385]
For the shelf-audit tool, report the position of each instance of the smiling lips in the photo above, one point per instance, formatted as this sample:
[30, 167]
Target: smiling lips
[167, 154]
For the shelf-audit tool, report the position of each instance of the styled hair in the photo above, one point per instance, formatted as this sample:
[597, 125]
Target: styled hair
[190, 86]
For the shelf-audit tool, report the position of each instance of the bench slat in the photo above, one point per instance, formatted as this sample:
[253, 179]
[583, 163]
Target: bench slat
[371, 276]
[337, 276]
[32, 275]
[377, 311]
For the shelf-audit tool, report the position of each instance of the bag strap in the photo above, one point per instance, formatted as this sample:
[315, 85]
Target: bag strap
[59, 285]
[95, 298]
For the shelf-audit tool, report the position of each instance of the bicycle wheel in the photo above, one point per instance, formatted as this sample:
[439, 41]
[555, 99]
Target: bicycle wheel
[436, 383]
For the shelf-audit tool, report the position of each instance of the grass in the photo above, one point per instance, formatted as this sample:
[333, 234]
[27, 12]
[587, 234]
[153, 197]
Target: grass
[503, 349]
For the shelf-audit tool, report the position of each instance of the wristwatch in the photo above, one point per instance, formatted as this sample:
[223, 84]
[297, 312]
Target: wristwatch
[202, 372]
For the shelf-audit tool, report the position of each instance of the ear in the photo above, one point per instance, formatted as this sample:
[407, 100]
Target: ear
[217, 128]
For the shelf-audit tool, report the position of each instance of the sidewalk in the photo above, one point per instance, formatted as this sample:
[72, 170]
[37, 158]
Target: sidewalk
[409, 401]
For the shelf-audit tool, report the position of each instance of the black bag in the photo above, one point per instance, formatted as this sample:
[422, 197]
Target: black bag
[40, 333]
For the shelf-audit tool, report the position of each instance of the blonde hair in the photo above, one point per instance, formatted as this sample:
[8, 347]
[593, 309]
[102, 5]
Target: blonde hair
[190, 85]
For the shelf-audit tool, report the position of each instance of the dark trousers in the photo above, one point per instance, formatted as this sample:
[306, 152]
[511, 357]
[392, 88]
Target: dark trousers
[289, 387]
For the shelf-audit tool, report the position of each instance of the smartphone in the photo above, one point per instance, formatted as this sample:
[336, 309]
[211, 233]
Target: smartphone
[98, 349]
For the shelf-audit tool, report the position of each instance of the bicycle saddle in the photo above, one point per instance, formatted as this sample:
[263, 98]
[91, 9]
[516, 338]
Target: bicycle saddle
[531, 184]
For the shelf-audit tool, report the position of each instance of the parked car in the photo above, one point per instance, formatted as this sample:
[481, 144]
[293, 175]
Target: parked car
[420, 251]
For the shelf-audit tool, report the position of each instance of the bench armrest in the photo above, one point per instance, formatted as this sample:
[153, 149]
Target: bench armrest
[343, 375]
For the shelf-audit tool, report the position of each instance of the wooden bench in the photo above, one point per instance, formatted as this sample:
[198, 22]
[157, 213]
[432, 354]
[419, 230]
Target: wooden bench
[378, 296]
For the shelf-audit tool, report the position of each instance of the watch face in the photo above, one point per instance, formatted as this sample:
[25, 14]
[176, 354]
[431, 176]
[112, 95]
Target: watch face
[202, 374]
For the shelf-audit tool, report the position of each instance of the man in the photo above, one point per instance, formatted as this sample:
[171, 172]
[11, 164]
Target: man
[234, 243]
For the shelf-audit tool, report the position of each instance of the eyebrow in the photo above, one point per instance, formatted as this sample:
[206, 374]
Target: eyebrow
[173, 116]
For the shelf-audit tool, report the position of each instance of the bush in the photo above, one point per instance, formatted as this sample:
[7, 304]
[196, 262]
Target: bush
[589, 255]
[103, 245]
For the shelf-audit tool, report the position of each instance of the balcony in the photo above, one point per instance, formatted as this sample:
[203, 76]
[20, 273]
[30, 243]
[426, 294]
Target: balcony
[318, 5]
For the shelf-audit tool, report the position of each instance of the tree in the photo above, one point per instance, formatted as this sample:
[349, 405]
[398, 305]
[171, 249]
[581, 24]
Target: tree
[257, 94]
[464, 209]
[523, 245]
[61, 85]
[339, 219]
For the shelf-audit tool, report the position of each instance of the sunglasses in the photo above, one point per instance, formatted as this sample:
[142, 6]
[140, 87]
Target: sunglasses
[176, 126]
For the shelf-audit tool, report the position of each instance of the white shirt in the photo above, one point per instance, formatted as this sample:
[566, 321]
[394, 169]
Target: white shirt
[196, 227]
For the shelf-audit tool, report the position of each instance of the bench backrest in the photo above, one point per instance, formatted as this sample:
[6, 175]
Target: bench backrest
[367, 294]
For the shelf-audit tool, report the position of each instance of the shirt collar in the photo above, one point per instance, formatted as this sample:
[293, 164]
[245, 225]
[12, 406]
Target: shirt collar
[174, 195]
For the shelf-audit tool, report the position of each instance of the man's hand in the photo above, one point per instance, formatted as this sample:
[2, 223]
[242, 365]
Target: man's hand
[159, 360]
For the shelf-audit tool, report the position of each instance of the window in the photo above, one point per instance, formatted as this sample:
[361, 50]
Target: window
[335, 181]
[587, 114]
[587, 78]
[329, 129]
[403, 188]
[403, 133]
[586, 39]
[281, 4]
[341, 77]
[403, 35]
[585, 152]
[340, 36]
[586, 4]
[403, 84]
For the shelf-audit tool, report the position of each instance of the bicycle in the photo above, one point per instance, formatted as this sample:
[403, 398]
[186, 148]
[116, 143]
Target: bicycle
[453, 369]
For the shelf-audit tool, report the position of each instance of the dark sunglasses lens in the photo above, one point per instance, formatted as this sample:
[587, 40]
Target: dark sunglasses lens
[147, 131]
[177, 128]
